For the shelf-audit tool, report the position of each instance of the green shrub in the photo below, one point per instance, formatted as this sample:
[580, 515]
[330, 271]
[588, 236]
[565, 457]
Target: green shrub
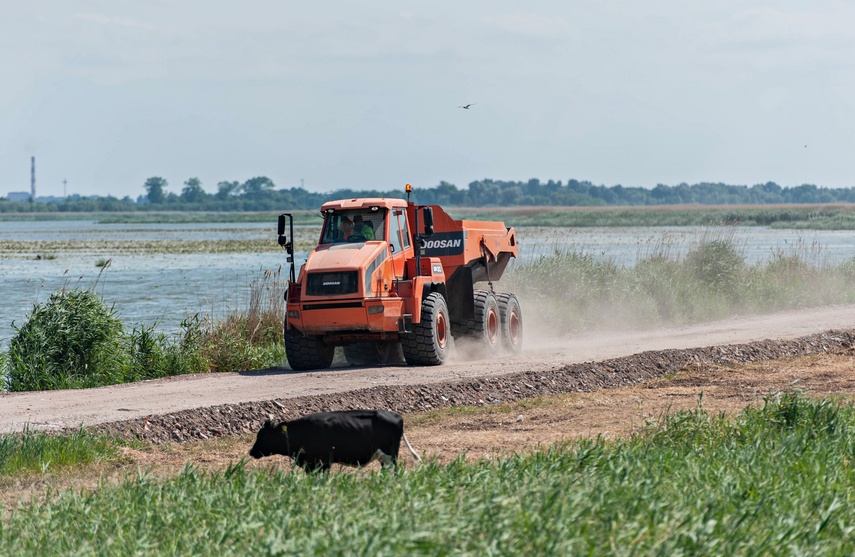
[74, 340]
[716, 264]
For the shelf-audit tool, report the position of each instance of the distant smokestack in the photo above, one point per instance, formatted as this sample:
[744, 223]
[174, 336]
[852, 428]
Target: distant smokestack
[33, 178]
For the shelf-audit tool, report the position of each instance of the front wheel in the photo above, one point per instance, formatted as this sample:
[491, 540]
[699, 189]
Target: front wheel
[306, 352]
[428, 344]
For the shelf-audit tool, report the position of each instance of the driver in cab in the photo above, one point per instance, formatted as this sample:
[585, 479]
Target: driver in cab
[345, 228]
[361, 229]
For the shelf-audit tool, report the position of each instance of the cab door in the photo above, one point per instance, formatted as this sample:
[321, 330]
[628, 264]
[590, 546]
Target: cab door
[399, 240]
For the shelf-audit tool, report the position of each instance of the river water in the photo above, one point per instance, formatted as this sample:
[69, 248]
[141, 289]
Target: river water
[147, 287]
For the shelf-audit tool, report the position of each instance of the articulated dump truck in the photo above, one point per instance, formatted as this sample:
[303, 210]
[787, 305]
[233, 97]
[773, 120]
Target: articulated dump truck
[391, 281]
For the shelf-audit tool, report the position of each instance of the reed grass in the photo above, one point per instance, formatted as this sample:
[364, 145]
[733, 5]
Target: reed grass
[573, 291]
[774, 480]
[249, 337]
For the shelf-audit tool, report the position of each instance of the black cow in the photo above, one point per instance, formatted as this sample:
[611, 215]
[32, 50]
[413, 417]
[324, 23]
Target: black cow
[352, 437]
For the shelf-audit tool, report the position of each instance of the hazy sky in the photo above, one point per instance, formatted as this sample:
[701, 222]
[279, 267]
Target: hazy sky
[366, 94]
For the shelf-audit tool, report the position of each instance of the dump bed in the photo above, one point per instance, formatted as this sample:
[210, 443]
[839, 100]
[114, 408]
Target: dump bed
[485, 246]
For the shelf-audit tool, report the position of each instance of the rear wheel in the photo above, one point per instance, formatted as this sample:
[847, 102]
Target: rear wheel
[428, 344]
[511, 330]
[306, 352]
[484, 330]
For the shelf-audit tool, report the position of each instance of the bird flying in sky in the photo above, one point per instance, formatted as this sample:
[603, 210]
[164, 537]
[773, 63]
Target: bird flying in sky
[466, 106]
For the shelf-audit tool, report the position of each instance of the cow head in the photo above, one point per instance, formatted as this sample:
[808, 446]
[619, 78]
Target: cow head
[272, 439]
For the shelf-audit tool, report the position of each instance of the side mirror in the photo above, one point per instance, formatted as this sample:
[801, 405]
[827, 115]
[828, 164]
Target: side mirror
[281, 228]
[428, 221]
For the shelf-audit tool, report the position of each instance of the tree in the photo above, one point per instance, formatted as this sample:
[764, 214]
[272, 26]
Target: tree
[154, 188]
[256, 187]
[192, 191]
[227, 189]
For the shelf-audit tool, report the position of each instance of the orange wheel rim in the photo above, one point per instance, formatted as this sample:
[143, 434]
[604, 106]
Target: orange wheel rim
[514, 328]
[492, 326]
[441, 330]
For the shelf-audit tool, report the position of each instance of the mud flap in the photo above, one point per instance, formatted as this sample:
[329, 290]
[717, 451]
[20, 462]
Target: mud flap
[461, 295]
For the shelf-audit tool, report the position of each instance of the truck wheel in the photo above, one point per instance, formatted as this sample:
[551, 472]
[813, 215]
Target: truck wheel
[482, 332]
[305, 352]
[487, 322]
[428, 344]
[511, 331]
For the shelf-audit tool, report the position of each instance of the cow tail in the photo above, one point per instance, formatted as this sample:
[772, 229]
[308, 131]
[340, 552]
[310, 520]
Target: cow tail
[410, 447]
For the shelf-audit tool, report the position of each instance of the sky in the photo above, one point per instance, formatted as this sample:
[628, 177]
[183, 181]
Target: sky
[342, 94]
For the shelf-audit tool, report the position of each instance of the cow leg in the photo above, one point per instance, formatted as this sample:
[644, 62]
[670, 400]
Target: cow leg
[385, 460]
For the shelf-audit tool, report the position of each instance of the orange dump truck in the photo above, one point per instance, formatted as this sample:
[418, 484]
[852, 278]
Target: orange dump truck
[391, 281]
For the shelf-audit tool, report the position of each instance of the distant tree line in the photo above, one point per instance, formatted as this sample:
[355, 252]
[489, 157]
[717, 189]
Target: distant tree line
[260, 194]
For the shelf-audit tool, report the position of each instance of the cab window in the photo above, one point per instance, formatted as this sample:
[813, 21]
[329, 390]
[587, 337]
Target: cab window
[397, 236]
[354, 225]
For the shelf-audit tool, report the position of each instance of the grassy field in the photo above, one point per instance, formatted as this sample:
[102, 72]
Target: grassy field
[772, 480]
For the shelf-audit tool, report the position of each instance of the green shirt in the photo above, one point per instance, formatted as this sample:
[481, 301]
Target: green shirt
[363, 230]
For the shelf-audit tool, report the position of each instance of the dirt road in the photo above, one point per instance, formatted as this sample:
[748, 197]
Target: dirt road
[61, 409]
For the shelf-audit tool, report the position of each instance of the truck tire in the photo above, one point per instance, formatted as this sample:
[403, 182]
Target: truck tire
[383, 352]
[306, 352]
[483, 331]
[428, 344]
[511, 330]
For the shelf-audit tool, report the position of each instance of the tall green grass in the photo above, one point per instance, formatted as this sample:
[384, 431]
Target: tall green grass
[773, 481]
[574, 291]
[250, 337]
[35, 451]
